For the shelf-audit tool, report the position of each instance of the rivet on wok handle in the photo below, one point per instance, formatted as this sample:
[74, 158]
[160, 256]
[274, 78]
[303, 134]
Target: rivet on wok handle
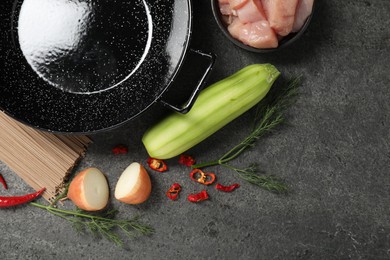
[190, 102]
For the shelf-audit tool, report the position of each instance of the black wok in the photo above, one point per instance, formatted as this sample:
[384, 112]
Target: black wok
[81, 66]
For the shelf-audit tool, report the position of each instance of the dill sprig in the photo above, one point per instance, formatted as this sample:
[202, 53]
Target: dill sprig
[267, 182]
[269, 114]
[103, 225]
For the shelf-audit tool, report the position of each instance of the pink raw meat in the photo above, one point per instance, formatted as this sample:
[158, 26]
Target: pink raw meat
[234, 28]
[237, 4]
[252, 11]
[304, 9]
[225, 9]
[262, 36]
[280, 14]
[257, 34]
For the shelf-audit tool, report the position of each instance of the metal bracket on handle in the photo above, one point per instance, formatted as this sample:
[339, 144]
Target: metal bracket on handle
[190, 102]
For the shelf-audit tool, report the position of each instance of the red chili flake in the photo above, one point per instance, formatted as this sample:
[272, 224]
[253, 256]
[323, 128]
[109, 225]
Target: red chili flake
[227, 188]
[173, 192]
[202, 177]
[3, 182]
[186, 160]
[120, 149]
[198, 197]
[157, 164]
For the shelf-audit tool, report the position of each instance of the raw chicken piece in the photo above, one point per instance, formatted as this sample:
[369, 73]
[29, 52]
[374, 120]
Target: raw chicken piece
[280, 14]
[257, 34]
[304, 9]
[235, 28]
[252, 11]
[225, 9]
[223, 1]
[262, 36]
[236, 4]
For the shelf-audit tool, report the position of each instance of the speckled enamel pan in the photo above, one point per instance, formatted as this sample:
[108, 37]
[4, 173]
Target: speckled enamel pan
[77, 66]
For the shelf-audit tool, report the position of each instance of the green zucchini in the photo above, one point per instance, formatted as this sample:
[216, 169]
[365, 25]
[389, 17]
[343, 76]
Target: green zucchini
[216, 106]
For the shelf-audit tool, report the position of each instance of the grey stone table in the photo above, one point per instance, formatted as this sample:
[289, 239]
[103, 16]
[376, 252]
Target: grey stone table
[334, 154]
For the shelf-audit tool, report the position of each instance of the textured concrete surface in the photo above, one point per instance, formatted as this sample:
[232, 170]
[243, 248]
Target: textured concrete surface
[334, 154]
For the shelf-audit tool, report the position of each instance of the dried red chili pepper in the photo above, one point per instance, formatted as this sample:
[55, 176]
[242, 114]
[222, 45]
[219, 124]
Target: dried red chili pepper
[227, 188]
[173, 192]
[120, 149]
[201, 196]
[3, 182]
[157, 164]
[204, 178]
[186, 160]
[18, 200]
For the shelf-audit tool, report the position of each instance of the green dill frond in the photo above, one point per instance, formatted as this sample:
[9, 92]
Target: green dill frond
[269, 114]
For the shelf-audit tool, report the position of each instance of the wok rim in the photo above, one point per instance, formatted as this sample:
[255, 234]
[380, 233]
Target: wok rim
[184, 52]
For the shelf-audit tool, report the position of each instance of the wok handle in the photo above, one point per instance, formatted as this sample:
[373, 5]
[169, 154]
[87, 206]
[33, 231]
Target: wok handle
[190, 102]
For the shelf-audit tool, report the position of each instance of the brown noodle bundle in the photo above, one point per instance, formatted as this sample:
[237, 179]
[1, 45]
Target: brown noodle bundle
[40, 158]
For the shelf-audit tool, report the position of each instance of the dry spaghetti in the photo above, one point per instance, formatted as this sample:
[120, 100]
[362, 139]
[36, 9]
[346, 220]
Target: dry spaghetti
[40, 158]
